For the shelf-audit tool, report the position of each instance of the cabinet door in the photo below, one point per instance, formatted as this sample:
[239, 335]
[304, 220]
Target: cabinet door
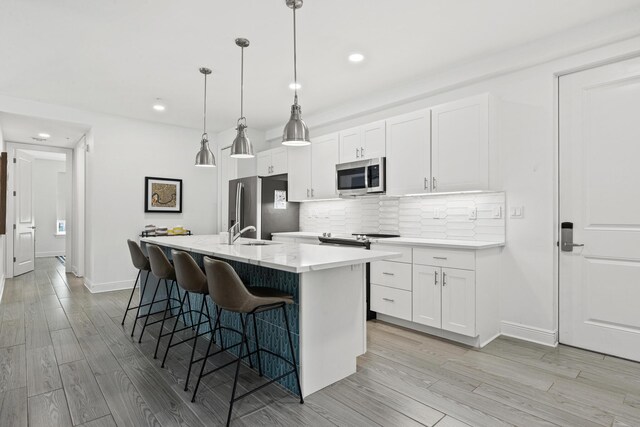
[426, 295]
[278, 161]
[460, 145]
[350, 144]
[264, 163]
[374, 138]
[409, 153]
[459, 301]
[299, 173]
[324, 156]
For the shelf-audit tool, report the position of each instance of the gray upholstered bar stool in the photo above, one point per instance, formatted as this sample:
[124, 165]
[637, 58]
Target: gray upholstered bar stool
[229, 294]
[141, 262]
[191, 279]
[161, 268]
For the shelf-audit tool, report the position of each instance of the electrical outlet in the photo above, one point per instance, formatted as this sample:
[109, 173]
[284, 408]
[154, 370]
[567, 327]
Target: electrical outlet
[473, 213]
[497, 212]
[438, 213]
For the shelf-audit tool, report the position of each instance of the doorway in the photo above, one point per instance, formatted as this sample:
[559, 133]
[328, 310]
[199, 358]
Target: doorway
[599, 204]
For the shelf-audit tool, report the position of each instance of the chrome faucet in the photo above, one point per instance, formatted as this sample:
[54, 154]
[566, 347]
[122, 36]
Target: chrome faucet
[233, 236]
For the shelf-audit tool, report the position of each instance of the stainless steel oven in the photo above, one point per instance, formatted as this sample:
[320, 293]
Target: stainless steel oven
[361, 177]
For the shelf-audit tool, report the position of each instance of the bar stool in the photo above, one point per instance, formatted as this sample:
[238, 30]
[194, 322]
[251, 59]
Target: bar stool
[192, 280]
[229, 293]
[141, 262]
[161, 268]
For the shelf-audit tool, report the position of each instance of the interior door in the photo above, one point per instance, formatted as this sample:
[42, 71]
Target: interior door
[24, 243]
[599, 178]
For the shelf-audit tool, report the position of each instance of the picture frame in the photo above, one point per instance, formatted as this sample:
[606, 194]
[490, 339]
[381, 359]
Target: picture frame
[162, 195]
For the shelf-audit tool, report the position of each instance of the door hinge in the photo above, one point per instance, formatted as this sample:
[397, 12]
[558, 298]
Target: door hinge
[14, 160]
[14, 194]
[14, 259]
[14, 226]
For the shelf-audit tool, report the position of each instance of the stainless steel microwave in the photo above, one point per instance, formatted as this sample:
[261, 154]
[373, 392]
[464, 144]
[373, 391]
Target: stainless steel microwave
[361, 177]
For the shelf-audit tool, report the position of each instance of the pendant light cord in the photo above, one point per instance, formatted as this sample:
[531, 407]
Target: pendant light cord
[204, 129]
[295, 57]
[242, 85]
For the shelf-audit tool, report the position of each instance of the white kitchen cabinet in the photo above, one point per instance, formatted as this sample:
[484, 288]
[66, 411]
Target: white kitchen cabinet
[460, 145]
[272, 162]
[363, 142]
[459, 301]
[427, 295]
[299, 180]
[324, 157]
[391, 301]
[312, 169]
[408, 151]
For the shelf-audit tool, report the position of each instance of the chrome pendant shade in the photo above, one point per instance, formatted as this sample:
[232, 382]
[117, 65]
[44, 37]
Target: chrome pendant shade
[241, 147]
[295, 131]
[205, 157]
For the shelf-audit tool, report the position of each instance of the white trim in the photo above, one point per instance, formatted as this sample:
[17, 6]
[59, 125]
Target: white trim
[96, 288]
[2, 280]
[49, 254]
[75, 272]
[530, 333]
[452, 336]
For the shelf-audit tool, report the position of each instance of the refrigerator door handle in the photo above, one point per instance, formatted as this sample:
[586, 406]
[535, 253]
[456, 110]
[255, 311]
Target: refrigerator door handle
[238, 203]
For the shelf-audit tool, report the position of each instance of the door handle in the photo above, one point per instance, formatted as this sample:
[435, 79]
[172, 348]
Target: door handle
[361, 151]
[444, 278]
[440, 257]
[566, 236]
[434, 183]
[357, 153]
[435, 279]
[312, 192]
[426, 184]
[388, 299]
[307, 192]
[33, 227]
[388, 274]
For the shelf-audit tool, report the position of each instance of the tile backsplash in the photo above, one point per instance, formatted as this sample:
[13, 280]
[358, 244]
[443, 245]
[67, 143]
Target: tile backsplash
[435, 216]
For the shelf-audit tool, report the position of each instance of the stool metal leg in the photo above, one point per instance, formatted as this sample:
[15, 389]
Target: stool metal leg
[146, 320]
[193, 350]
[235, 379]
[255, 332]
[135, 322]
[204, 361]
[133, 291]
[190, 313]
[246, 340]
[173, 331]
[293, 354]
[164, 315]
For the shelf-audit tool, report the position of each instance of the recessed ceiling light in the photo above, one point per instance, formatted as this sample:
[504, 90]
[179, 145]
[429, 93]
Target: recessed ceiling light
[44, 135]
[356, 57]
[294, 86]
[159, 107]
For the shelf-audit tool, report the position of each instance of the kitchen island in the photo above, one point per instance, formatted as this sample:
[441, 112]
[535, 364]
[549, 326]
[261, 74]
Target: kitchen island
[327, 318]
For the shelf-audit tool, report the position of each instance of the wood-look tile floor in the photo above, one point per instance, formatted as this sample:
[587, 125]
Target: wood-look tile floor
[66, 360]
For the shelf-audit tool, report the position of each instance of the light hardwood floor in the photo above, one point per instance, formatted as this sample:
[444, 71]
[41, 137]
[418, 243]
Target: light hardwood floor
[66, 360]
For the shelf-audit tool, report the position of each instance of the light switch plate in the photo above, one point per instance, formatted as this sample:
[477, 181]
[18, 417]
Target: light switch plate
[438, 213]
[473, 213]
[497, 212]
[516, 212]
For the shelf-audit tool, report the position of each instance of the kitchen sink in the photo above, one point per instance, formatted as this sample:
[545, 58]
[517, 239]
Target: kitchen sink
[259, 243]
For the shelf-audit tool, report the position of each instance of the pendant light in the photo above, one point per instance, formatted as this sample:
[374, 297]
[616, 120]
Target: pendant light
[295, 132]
[205, 157]
[241, 147]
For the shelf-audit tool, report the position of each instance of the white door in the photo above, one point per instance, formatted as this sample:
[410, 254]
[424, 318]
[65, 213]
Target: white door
[279, 161]
[426, 295]
[459, 301]
[299, 173]
[350, 144]
[324, 154]
[264, 163]
[599, 180]
[25, 232]
[460, 145]
[409, 153]
[373, 138]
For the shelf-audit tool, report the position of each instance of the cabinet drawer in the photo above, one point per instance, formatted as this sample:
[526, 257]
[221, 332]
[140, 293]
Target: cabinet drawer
[393, 274]
[453, 258]
[406, 252]
[392, 302]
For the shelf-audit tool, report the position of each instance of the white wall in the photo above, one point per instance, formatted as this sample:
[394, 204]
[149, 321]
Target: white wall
[49, 178]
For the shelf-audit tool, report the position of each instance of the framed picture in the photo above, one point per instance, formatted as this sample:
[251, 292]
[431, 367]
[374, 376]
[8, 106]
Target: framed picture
[162, 195]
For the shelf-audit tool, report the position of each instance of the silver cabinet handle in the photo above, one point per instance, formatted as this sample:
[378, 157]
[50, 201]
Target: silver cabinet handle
[387, 299]
[388, 274]
[312, 193]
[440, 257]
[426, 184]
[307, 192]
[434, 183]
[444, 278]
[361, 151]
[435, 279]
[575, 245]
[357, 153]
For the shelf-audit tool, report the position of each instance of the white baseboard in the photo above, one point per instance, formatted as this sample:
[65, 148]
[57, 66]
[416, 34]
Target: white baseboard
[75, 272]
[49, 254]
[96, 288]
[2, 280]
[529, 333]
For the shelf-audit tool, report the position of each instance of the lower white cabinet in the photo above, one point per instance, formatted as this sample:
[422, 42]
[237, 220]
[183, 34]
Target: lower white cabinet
[391, 301]
[427, 295]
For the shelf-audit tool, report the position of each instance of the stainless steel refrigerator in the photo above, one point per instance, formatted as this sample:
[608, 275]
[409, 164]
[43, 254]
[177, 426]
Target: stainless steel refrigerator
[263, 204]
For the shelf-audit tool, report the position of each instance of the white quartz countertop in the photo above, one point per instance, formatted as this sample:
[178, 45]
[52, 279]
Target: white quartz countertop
[308, 234]
[441, 243]
[292, 257]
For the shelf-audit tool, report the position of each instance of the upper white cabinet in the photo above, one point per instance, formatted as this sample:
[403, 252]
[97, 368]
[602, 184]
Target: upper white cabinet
[363, 142]
[312, 169]
[460, 145]
[272, 162]
[409, 153]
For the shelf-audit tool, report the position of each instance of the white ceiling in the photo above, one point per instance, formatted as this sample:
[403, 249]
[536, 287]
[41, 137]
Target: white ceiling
[118, 56]
[17, 128]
